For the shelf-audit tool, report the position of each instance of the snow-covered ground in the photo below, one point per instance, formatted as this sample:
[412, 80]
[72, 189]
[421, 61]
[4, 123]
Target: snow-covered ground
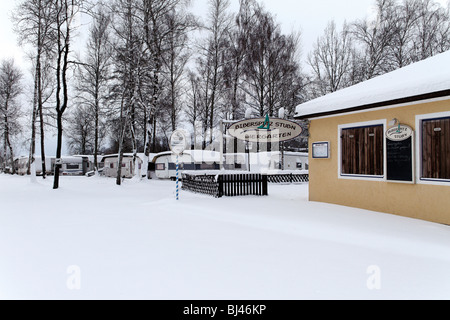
[94, 240]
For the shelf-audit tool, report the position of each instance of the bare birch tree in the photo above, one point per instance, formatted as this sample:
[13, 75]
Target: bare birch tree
[211, 64]
[432, 29]
[95, 73]
[237, 48]
[331, 60]
[375, 37]
[34, 25]
[66, 11]
[10, 89]
[176, 55]
[270, 60]
[128, 61]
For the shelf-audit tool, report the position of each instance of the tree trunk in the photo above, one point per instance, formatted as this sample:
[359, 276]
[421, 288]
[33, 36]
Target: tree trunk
[41, 117]
[97, 107]
[63, 55]
[58, 151]
[123, 124]
[33, 127]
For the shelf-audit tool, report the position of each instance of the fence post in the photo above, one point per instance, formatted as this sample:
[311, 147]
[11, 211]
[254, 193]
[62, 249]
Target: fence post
[265, 185]
[220, 186]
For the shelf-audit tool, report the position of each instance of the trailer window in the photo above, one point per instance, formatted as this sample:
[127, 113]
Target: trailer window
[160, 166]
[207, 166]
[71, 166]
[189, 166]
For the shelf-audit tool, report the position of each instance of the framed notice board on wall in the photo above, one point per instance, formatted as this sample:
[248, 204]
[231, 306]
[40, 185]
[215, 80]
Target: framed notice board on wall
[400, 154]
[321, 150]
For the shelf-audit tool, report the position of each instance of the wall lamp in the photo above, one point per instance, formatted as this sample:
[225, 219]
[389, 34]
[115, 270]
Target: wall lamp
[393, 122]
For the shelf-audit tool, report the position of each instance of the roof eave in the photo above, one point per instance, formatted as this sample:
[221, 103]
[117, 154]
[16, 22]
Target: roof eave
[405, 100]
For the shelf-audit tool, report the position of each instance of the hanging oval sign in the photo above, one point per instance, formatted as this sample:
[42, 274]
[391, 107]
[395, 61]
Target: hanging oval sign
[399, 133]
[265, 130]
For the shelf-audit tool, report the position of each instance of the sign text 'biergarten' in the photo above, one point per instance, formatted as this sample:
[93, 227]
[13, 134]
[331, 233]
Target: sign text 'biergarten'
[264, 130]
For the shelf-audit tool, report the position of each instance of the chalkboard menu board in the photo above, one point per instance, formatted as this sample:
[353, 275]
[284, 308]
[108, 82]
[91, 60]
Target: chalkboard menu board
[399, 154]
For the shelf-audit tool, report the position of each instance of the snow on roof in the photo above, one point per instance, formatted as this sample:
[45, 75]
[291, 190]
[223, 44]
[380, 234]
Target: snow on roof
[115, 155]
[431, 75]
[197, 155]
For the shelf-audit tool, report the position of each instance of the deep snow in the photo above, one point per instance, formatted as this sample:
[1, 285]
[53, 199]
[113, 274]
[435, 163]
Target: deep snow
[91, 239]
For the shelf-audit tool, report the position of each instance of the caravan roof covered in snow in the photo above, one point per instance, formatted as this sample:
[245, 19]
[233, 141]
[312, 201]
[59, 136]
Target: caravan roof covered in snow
[115, 155]
[198, 156]
[423, 80]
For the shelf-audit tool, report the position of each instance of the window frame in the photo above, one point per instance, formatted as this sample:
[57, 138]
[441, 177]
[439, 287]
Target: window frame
[160, 166]
[419, 149]
[379, 122]
[72, 166]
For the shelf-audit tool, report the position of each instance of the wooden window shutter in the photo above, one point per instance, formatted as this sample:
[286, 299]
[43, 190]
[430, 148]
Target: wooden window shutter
[436, 148]
[362, 150]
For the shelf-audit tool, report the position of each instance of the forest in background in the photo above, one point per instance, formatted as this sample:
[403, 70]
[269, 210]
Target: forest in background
[149, 67]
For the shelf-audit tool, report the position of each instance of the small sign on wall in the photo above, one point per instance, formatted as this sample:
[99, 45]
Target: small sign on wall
[321, 150]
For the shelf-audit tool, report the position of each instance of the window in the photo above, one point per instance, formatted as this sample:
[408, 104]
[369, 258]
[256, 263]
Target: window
[207, 166]
[189, 166]
[362, 150]
[160, 166]
[71, 166]
[435, 143]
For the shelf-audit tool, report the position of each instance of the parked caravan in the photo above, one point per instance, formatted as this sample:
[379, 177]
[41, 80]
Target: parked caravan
[289, 161]
[165, 162]
[164, 167]
[267, 161]
[88, 166]
[111, 161]
[235, 161]
[70, 165]
[74, 165]
[21, 165]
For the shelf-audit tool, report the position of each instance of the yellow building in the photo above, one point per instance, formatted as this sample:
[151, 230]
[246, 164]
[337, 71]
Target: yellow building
[384, 144]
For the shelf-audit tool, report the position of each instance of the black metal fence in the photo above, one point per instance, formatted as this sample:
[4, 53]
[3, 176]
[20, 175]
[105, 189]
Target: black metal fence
[236, 184]
[288, 178]
[205, 184]
[229, 185]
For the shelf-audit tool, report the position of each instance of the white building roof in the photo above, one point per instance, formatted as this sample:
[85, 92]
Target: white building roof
[429, 78]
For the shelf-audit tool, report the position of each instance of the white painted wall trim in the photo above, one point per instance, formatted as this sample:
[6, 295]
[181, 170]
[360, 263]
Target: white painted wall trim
[419, 119]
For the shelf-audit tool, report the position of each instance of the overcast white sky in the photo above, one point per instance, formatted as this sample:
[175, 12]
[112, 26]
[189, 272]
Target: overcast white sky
[309, 17]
